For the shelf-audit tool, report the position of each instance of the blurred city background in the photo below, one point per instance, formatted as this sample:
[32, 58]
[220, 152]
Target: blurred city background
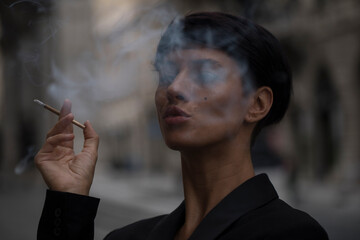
[99, 54]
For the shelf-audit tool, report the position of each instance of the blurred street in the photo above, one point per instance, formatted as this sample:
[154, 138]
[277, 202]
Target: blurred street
[100, 54]
[127, 198]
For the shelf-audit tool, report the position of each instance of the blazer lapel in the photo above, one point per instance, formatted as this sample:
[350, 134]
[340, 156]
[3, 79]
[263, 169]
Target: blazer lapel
[250, 195]
[169, 225]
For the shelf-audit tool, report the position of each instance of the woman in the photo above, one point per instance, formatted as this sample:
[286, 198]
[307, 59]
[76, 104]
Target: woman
[221, 80]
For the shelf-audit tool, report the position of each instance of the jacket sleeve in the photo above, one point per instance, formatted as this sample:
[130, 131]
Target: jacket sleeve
[67, 216]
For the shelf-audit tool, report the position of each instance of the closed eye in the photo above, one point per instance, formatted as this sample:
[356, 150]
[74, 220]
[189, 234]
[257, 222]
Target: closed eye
[206, 71]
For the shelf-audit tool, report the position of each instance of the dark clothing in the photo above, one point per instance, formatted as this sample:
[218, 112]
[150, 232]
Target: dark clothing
[67, 216]
[252, 211]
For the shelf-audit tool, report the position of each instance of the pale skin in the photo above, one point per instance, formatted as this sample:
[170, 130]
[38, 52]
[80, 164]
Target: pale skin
[213, 139]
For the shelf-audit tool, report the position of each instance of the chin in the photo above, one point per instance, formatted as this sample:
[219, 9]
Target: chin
[183, 144]
[175, 145]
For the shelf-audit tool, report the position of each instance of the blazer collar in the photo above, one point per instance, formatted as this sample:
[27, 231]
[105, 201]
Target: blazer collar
[250, 195]
[168, 226]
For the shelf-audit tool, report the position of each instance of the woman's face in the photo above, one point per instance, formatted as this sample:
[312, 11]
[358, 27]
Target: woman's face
[199, 99]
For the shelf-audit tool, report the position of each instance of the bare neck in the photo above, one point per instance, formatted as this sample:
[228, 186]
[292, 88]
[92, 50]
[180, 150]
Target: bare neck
[208, 176]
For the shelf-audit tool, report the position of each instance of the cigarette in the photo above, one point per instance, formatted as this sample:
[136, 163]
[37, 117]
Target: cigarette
[57, 112]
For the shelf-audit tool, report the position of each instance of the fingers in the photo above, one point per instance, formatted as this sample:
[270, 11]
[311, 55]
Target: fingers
[60, 138]
[66, 110]
[61, 125]
[91, 142]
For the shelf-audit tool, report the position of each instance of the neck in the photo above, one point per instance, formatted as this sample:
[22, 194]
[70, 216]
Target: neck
[209, 175]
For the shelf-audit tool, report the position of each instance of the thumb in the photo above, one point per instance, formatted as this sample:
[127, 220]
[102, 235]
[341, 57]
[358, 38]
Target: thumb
[91, 140]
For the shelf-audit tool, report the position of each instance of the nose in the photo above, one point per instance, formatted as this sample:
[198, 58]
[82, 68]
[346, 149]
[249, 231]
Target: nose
[177, 91]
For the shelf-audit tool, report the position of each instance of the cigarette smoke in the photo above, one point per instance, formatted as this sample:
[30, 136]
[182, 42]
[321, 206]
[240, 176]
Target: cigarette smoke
[110, 59]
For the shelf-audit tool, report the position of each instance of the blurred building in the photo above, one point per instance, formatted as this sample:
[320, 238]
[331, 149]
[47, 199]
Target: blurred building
[99, 53]
[322, 42]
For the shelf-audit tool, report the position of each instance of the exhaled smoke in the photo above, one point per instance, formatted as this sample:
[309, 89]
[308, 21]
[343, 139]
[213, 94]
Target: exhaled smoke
[93, 65]
[101, 64]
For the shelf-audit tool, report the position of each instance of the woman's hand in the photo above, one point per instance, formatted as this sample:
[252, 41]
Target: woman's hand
[61, 169]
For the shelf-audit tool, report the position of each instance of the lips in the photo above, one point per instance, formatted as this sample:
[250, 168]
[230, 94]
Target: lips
[175, 112]
[174, 115]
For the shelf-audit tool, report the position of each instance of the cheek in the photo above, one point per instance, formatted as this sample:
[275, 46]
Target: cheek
[160, 102]
[224, 109]
[160, 98]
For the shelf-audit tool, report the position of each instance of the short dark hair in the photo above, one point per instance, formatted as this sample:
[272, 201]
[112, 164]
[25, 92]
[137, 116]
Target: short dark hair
[257, 51]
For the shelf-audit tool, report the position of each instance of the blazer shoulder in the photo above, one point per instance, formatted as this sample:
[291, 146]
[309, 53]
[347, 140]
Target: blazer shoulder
[137, 230]
[285, 212]
[288, 222]
[277, 220]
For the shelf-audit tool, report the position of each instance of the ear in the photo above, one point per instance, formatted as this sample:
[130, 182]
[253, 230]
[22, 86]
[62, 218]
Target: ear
[260, 104]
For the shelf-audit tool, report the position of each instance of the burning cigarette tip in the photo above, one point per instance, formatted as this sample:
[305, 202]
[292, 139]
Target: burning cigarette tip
[39, 102]
[57, 112]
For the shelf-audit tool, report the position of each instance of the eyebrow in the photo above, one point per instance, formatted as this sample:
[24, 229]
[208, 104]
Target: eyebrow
[212, 62]
[197, 62]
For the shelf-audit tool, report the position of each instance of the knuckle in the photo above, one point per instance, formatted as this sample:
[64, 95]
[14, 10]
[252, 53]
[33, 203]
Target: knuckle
[38, 165]
[97, 138]
[36, 159]
[50, 134]
[49, 140]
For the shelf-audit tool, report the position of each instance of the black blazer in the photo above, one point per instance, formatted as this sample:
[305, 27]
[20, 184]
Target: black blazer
[251, 211]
